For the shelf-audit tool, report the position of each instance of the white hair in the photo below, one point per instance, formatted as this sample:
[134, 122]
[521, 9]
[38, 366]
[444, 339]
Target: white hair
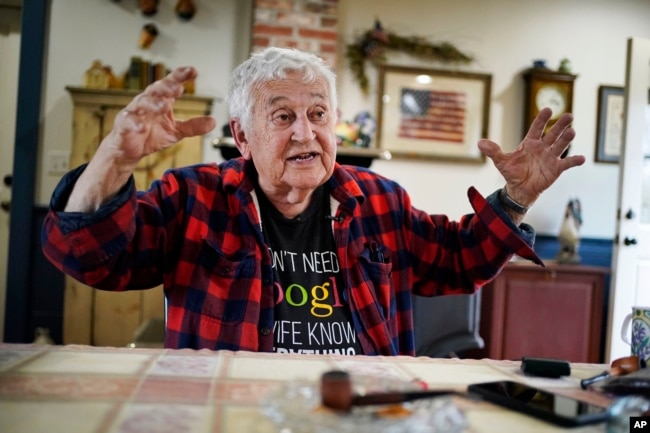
[272, 64]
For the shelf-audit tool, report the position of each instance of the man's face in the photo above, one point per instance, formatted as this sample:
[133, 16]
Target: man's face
[291, 139]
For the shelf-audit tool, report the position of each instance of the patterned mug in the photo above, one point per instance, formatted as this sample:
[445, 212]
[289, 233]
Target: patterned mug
[640, 320]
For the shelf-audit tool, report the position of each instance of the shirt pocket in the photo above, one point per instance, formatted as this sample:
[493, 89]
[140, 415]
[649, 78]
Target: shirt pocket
[376, 277]
[223, 285]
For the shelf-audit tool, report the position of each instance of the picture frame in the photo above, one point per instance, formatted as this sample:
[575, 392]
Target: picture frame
[433, 114]
[609, 125]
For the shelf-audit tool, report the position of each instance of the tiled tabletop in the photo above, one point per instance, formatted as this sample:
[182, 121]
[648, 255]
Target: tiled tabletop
[74, 389]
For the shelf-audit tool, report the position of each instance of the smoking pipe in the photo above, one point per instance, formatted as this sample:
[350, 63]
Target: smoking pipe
[619, 367]
[337, 393]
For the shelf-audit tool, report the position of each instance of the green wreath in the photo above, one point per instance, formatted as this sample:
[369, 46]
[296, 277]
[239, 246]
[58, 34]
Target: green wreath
[372, 45]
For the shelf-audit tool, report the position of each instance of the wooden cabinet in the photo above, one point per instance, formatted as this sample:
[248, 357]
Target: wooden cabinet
[105, 318]
[553, 312]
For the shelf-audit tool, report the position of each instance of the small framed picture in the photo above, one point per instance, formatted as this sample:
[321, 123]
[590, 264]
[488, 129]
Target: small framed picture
[432, 114]
[609, 129]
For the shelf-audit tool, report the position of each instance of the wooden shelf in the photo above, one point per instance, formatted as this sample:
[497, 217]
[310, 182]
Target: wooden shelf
[83, 96]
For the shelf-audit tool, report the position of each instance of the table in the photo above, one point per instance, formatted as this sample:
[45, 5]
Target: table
[74, 389]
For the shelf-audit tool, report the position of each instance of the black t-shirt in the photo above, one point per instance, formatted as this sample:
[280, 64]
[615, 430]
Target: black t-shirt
[311, 315]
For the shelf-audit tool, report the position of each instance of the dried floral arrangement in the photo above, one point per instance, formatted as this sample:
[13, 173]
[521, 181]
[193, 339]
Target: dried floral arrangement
[373, 44]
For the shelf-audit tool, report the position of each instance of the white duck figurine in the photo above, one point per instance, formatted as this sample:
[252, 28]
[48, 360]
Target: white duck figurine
[569, 236]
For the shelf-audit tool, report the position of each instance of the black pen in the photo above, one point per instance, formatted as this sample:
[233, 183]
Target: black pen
[376, 254]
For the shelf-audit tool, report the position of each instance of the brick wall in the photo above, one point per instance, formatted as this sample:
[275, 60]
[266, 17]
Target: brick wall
[309, 25]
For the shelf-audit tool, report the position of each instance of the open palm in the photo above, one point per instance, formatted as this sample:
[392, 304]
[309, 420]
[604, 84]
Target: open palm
[536, 163]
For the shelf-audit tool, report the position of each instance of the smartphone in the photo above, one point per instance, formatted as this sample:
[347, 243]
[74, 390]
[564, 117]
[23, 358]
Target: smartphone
[545, 405]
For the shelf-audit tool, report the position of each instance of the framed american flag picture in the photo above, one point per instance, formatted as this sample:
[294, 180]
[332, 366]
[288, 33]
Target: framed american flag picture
[432, 114]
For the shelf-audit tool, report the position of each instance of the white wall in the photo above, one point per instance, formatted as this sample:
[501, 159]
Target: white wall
[505, 36]
[214, 41]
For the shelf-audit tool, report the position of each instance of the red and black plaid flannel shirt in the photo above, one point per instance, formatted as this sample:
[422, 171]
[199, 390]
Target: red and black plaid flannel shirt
[197, 231]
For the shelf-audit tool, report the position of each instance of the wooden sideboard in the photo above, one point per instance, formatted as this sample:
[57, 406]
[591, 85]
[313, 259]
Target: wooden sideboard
[106, 318]
[552, 312]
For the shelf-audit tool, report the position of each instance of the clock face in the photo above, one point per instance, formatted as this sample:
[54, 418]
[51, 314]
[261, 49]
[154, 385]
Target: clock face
[553, 97]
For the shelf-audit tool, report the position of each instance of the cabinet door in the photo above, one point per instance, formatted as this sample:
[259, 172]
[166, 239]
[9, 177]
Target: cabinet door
[551, 313]
[92, 124]
[549, 316]
[555, 312]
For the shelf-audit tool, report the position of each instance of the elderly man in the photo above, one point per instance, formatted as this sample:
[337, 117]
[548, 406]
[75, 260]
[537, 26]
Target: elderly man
[283, 249]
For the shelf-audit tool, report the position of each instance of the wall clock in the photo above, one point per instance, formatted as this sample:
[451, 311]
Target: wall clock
[547, 88]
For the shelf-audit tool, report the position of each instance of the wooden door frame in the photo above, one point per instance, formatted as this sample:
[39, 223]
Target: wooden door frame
[626, 290]
[34, 20]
